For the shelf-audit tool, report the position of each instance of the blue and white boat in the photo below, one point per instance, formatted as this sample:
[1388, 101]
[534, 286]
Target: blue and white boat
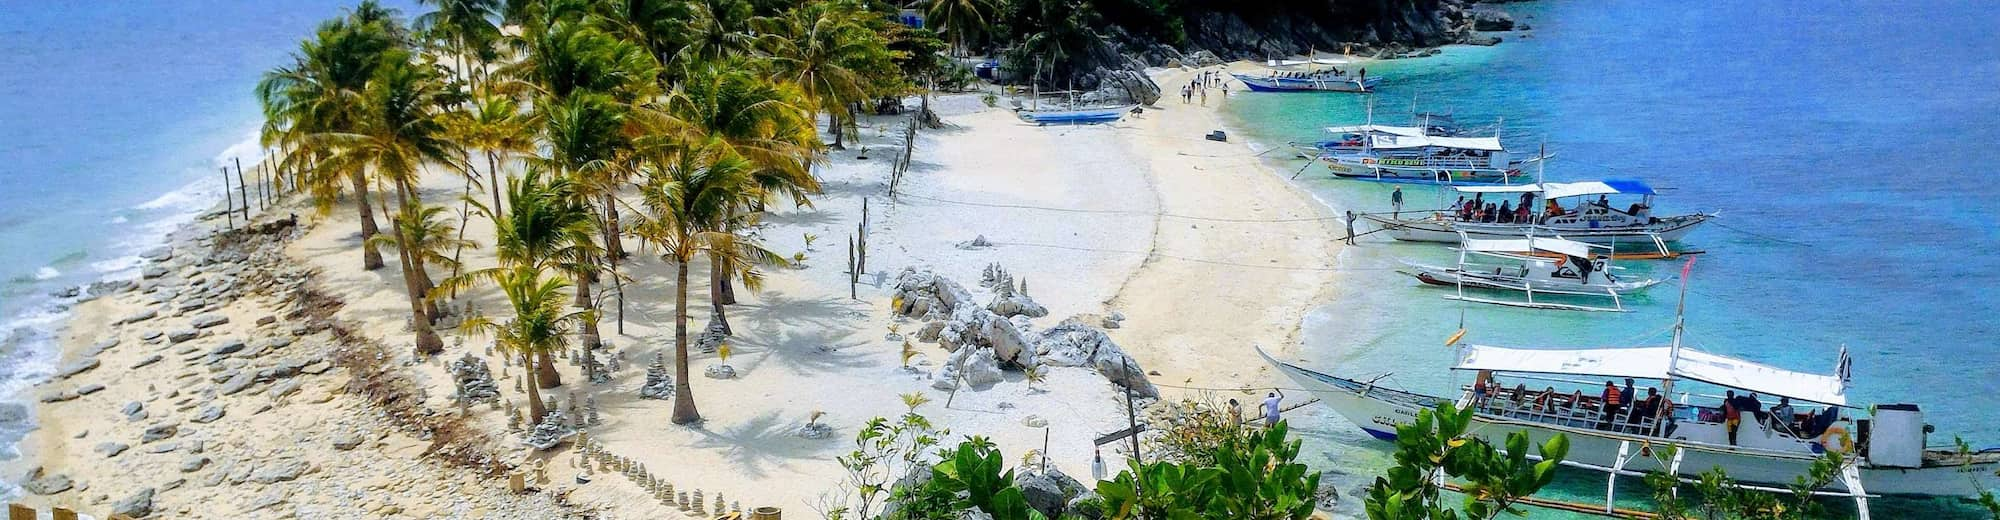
[1418, 155]
[1059, 116]
[1275, 79]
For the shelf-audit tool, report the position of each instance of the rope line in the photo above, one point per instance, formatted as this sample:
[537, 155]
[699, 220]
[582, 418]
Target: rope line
[1123, 212]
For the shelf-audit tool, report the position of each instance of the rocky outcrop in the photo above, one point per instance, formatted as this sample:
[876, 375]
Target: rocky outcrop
[1075, 343]
[1048, 491]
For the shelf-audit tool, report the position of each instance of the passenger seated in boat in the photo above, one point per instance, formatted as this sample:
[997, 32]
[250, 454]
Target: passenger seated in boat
[1542, 401]
[1782, 415]
[1489, 214]
[1645, 408]
[1506, 213]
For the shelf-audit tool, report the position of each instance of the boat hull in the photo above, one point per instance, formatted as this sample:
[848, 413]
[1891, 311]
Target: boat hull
[1359, 166]
[1669, 229]
[1280, 84]
[1379, 411]
[1094, 115]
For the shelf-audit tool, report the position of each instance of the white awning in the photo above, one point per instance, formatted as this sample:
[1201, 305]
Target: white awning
[1658, 363]
[1523, 245]
[1557, 190]
[1385, 129]
[1491, 144]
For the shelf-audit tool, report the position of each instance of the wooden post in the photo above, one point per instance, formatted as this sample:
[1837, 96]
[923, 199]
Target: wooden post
[240, 190]
[861, 242]
[62, 513]
[850, 269]
[20, 512]
[766, 513]
[228, 206]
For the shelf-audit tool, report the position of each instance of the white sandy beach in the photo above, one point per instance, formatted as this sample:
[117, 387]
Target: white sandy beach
[1205, 251]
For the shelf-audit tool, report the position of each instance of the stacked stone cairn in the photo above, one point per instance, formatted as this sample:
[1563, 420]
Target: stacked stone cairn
[474, 381]
[659, 381]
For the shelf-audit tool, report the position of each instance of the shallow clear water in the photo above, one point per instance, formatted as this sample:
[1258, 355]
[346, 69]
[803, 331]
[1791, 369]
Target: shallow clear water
[115, 117]
[1846, 149]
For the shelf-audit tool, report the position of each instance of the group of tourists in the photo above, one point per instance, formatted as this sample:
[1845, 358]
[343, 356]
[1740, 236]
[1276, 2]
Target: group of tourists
[1478, 210]
[1199, 86]
[1616, 406]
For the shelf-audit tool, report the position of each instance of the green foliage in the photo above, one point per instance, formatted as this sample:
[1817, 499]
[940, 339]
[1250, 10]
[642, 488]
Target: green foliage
[1438, 445]
[883, 452]
[1254, 476]
[1715, 496]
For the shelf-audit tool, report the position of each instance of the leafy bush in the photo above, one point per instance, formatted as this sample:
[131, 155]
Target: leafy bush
[1437, 445]
[1254, 477]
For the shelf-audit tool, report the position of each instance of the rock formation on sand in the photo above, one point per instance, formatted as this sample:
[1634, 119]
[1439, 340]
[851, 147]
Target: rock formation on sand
[983, 342]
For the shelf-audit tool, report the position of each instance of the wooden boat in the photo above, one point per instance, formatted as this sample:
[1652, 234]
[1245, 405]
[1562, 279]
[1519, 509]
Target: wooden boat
[1517, 271]
[1277, 78]
[1047, 116]
[1888, 444]
[1595, 222]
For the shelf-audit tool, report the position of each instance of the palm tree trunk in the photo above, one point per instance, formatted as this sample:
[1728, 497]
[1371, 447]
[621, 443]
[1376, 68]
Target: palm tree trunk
[833, 126]
[584, 300]
[718, 278]
[371, 259]
[464, 216]
[493, 185]
[614, 246]
[545, 370]
[684, 411]
[428, 343]
[535, 408]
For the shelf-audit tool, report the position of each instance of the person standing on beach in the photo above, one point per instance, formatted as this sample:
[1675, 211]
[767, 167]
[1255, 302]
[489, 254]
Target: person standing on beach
[1204, 97]
[1396, 201]
[1271, 409]
[1235, 414]
[1350, 227]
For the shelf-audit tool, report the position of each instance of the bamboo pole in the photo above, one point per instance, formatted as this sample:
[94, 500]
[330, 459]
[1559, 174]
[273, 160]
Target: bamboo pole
[228, 206]
[241, 190]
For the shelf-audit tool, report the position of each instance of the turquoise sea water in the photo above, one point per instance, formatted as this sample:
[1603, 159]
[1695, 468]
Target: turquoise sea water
[114, 117]
[1848, 147]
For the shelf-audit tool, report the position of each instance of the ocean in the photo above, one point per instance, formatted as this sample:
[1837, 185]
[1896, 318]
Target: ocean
[1845, 145]
[116, 117]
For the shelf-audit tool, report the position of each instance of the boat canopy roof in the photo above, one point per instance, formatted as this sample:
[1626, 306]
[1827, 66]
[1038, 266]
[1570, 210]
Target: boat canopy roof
[1658, 363]
[1315, 61]
[1557, 190]
[1394, 141]
[1529, 245]
[1383, 129]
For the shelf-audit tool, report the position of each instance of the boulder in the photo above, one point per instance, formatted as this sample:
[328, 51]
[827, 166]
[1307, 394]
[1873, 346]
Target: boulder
[237, 383]
[112, 449]
[227, 348]
[160, 431]
[140, 316]
[153, 272]
[1016, 304]
[1008, 344]
[980, 369]
[1074, 343]
[193, 463]
[1048, 491]
[182, 335]
[209, 414]
[1131, 85]
[346, 440]
[208, 320]
[139, 505]
[100, 347]
[89, 389]
[155, 358]
[281, 471]
[47, 485]
[719, 372]
[1490, 20]
[77, 367]
[1087, 506]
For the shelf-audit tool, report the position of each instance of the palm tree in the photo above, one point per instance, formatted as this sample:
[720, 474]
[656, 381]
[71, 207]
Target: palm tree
[497, 126]
[538, 326]
[400, 131]
[548, 229]
[585, 135]
[762, 122]
[428, 234]
[963, 19]
[688, 192]
[321, 93]
[716, 29]
[816, 46]
[467, 30]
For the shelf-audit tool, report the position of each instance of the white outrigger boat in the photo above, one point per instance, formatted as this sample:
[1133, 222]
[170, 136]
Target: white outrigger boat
[1595, 222]
[1419, 155]
[1571, 269]
[1274, 78]
[1888, 443]
[1047, 116]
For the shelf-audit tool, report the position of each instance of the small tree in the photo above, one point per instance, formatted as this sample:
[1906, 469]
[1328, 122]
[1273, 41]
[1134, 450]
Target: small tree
[1254, 476]
[1438, 445]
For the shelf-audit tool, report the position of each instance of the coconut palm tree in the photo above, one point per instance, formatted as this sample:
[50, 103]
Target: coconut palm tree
[962, 19]
[497, 126]
[763, 122]
[429, 234]
[548, 228]
[539, 324]
[320, 93]
[400, 131]
[716, 29]
[585, 135]
[688, 193]
[468, 33]
[816, 46]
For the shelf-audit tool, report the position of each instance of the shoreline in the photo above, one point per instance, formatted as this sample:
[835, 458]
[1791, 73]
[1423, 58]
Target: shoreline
[795, 338]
